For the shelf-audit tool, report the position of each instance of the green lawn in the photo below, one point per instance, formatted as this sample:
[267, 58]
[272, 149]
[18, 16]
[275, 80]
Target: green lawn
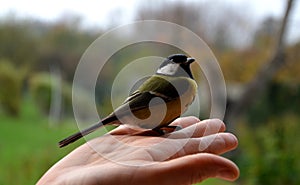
[29, 146]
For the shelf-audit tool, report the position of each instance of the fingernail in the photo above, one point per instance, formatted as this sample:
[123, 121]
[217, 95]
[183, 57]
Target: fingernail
[226, 174]
[232, 140]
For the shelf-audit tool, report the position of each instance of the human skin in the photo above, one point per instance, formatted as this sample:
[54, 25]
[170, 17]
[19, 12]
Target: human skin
[127, 156]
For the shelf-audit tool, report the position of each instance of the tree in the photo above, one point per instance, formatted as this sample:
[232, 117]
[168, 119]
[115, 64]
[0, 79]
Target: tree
[218, 24]
[264, 75]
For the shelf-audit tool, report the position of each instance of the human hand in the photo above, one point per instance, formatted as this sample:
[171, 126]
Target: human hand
[126, 156]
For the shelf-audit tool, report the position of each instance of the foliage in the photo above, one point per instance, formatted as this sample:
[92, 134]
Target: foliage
[241, 67]
[38, 45]
[290, 72]
[220, 29]
[11, 84]
[40, 86]
[62, 45]
[18, 41]
[45, 88]
[269, 149]
[274, 102]
[269, 152]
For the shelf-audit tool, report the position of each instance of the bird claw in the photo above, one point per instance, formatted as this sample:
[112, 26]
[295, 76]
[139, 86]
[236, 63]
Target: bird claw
[167, 129]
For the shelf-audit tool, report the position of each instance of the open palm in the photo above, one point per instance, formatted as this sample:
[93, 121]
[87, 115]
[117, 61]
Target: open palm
[127, 156]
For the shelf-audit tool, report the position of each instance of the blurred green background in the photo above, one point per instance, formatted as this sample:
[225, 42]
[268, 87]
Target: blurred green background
[38, 58]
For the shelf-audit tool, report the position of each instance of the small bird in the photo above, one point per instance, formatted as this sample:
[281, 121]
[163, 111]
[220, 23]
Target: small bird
[156, 103]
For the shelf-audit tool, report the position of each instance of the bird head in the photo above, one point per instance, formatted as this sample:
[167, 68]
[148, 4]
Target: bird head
[176, 65]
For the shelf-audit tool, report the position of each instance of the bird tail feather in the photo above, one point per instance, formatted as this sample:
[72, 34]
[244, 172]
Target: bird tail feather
[79, 135]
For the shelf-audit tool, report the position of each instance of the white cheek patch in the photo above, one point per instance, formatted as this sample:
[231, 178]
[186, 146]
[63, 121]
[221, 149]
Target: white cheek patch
[169, 69]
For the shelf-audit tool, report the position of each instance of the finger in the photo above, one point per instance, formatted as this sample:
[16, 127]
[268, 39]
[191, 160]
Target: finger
[202, 128]
[215, 144]
[195, 168]
[185, 121]
[175, 148]
[123, 130]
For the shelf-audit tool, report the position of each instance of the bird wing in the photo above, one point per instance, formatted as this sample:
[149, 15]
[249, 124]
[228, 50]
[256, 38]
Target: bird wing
[166, 89]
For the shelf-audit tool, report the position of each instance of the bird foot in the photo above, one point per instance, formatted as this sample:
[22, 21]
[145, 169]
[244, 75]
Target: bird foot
[167, 129]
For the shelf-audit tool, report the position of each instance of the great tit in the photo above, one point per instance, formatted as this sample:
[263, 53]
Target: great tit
[156, 103]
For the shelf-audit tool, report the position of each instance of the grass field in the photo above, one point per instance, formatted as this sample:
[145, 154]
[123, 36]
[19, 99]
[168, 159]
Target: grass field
[29, 148]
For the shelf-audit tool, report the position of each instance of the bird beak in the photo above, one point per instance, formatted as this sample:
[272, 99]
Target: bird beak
[190, 60]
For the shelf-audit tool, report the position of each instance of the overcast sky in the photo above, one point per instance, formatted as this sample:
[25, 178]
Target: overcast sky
[95, 13]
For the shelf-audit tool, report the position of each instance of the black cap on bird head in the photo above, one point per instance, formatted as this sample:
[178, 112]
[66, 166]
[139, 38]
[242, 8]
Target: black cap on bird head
[176, 65]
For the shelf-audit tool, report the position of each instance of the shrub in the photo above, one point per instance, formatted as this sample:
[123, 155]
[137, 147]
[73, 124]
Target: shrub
[46, 88]
[269, 153]
[11, 86]
[40, 88]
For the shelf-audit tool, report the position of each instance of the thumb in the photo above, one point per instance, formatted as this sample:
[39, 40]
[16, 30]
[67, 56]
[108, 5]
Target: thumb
[196, 168]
